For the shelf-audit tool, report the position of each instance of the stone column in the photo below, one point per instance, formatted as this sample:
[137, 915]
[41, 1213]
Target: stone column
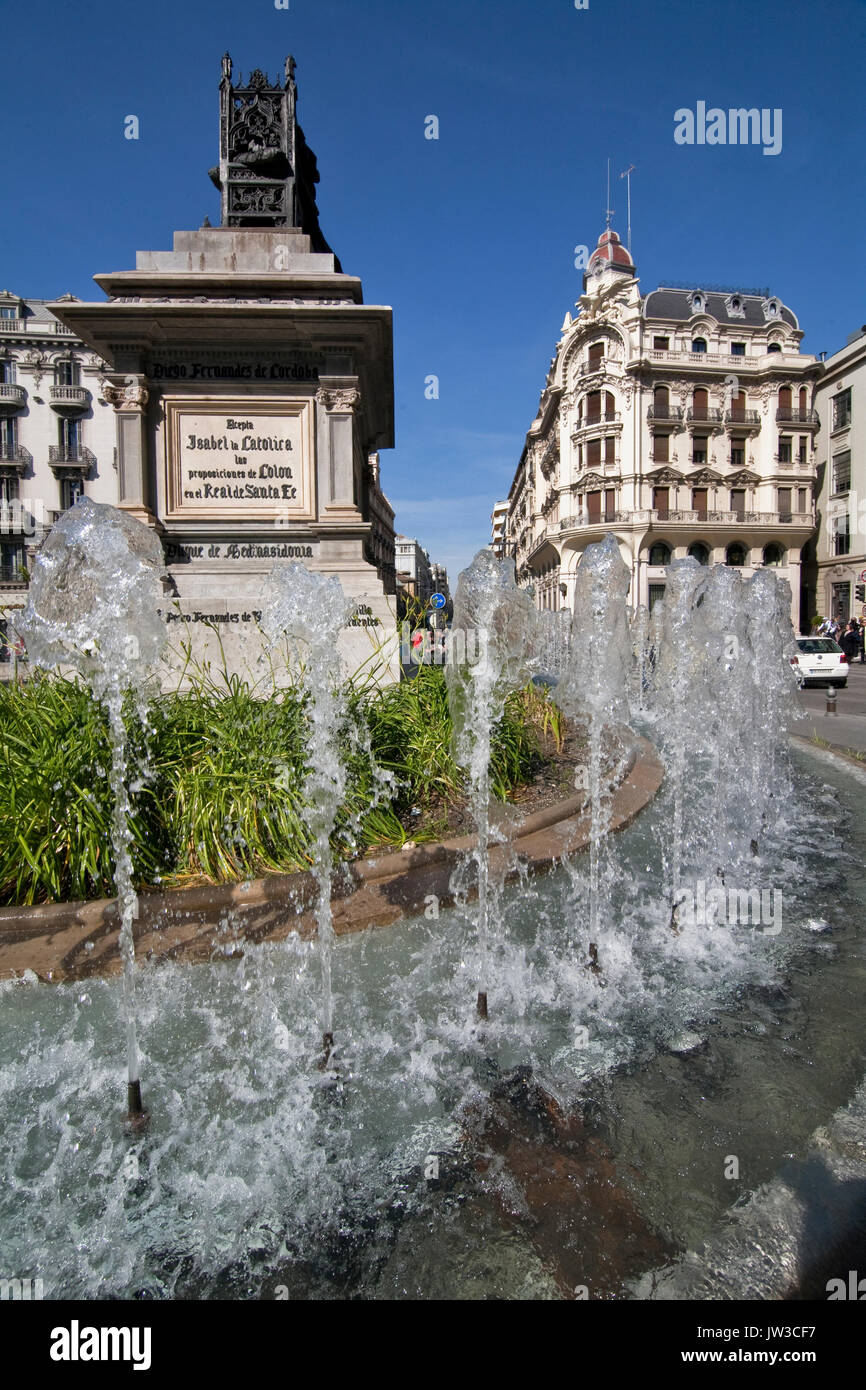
[130, 406]
[337, 398]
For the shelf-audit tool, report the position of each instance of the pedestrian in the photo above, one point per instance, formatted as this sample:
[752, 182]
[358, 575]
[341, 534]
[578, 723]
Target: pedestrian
[862, 627]
[850, 641]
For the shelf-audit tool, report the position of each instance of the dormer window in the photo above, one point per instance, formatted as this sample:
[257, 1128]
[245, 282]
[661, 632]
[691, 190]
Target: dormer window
[699, 303]
[10, 306]
[771, 308]
[734, 306]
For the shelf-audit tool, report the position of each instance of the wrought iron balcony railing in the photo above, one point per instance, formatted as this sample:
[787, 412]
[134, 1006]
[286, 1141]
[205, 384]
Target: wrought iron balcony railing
[786, 416]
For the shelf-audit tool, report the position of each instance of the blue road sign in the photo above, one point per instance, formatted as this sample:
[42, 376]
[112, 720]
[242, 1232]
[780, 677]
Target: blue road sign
[437, 600]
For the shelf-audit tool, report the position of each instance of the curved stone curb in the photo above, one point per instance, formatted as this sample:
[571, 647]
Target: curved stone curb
[832, 754]
[69, 941]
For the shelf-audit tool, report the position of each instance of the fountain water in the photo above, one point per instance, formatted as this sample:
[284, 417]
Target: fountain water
[311, 610]
[678, 718]
[595, 682]
[497, 620]
[93, 608]
[245, 1193]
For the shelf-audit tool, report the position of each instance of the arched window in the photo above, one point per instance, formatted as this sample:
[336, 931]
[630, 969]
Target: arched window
[609, 406]
[784, 398]
[699, 345]
[774, 347]
[661, 403]
[735, 555]
[700, 552]
[774, 555]
[804, 400]
[700, 404]
[660, 554]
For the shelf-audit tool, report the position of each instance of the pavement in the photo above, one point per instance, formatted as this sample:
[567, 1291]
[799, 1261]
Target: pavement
[847, 728]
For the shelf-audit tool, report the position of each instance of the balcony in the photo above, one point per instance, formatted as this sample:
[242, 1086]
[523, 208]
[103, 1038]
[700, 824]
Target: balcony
[691, 516]
[16, 520]
[12, 397]
[69, 400]
[743, 419]
[604, 420]
[11, 577]
[703, 415]
[14, 458]
[70, 460]
[808, 419]
[728, 361]
[13, 325]
[667, 415]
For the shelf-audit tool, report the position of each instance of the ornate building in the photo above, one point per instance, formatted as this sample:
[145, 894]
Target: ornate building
[841, 547]
[683, 422]
[57, 437]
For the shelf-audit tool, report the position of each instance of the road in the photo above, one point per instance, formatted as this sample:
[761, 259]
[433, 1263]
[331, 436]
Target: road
[848, 728]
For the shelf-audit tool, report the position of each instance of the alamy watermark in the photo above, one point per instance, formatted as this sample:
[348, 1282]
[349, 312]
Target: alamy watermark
[736, 126]
[735, 907]
[443, 646]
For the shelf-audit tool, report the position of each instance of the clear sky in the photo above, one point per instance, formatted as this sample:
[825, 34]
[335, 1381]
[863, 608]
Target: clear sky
[470, 238]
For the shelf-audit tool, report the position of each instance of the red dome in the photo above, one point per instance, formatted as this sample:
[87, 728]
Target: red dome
[610, 251]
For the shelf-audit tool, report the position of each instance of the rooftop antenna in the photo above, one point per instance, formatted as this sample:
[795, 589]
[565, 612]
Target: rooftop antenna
[627, 176]
[609, 211]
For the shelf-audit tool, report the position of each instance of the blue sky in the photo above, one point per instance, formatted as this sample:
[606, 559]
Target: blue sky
[470, 238]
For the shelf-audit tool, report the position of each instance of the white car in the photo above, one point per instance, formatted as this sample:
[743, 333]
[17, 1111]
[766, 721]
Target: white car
[821, 662]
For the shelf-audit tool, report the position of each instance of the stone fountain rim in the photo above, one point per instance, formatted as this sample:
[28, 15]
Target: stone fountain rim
[74, 940]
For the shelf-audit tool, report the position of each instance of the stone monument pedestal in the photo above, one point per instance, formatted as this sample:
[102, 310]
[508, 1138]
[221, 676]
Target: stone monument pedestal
[253, 389]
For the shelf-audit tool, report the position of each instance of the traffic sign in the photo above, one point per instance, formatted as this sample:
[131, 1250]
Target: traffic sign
[437, 600]
[862, 576]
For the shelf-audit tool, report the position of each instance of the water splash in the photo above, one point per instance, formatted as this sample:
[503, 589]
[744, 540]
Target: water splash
[595, 683]
[92, 608]
[310, 611]
[498, 623]
[678, 713]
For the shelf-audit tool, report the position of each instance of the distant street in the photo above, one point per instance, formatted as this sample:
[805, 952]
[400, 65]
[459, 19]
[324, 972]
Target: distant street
[848, 728]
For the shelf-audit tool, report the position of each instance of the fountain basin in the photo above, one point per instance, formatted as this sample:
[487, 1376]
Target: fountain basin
[73, 941]
[419, 1178]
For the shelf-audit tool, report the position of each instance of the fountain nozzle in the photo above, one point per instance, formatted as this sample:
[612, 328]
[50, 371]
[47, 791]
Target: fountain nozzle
[481, 1005]
[327, 1048]
[137, 1118]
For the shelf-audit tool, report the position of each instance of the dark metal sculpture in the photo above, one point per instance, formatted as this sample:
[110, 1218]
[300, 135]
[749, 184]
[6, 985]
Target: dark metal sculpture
[267, 173]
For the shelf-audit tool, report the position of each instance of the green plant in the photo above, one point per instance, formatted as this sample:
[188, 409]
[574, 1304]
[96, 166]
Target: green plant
[223, 797]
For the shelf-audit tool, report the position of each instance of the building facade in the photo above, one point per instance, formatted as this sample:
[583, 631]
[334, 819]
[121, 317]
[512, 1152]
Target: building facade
[840, 558]
[414, 572]
[684, 422]
[498, 522]
[57, 437]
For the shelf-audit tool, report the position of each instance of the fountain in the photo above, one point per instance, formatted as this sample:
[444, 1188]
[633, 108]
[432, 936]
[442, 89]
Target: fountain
[595, 682]
[311, 610]
[497, 621]
[92, 608]
[551, 1164]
